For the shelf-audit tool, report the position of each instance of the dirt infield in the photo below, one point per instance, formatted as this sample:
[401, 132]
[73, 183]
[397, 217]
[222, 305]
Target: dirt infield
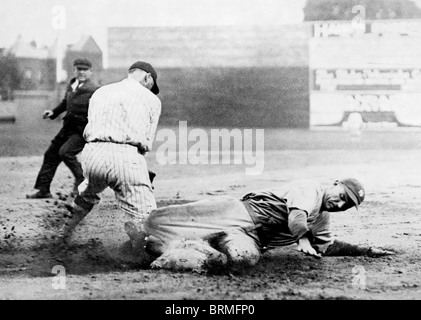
[96, 269]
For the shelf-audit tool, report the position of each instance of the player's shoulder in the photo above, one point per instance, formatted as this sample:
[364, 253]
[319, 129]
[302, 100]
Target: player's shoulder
[156, 100]
[151, 98]
[108, 88]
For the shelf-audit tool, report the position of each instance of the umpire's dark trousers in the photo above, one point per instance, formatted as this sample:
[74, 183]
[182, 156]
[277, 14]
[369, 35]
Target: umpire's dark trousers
[64, 147]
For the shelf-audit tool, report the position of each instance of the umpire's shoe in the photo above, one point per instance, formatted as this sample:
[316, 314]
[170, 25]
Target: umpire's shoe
[76, 216]
[39, 195]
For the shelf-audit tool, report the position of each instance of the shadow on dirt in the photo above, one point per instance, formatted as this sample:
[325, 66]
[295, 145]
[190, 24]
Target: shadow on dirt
[91, 256]
[79, 259]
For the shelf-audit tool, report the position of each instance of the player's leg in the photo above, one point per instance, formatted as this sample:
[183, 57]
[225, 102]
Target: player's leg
[95, 170]
[95, 166]
[134, 226]
[241, 249]
[48, 168]
[219, 221]
[198, 220]
[233, 248]
[68, 152]
[196, 255]
[81, 206]
[131, 184]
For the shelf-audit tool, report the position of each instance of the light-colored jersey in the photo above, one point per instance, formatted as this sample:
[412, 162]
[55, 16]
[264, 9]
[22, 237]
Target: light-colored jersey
[124, 112]
[301, 194]
[306, 195]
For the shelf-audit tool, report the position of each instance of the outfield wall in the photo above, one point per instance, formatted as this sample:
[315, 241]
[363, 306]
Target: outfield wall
[239, 97]
[314, 74]
[221, 76]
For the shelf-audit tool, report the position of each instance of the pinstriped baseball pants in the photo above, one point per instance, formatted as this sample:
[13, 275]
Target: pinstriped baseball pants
[124, 170]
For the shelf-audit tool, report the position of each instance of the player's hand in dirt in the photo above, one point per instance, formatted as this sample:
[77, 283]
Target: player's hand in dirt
[374, 252]
[305, 246]
[47, 114]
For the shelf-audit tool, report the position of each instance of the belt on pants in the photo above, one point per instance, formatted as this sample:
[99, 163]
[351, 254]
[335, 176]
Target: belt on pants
[140, 148]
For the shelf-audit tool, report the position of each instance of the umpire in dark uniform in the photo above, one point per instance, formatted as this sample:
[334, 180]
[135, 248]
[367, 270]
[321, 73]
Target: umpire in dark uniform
[69, 141]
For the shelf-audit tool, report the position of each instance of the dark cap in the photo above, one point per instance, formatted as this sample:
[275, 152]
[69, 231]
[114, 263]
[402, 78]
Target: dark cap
[82, 63]
[355, 191]
[149, 69]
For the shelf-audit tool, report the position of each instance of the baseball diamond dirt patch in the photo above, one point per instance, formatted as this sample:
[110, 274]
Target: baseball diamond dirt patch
[96, 267]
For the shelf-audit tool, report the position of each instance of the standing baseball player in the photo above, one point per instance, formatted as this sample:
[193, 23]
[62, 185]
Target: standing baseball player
[69, 141]
[243, 229]
[123, 118]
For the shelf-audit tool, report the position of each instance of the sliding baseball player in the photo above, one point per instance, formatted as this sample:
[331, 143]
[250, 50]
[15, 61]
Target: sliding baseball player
[225, 231]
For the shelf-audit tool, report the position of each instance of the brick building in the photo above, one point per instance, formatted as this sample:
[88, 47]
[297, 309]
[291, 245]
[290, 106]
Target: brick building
[37, 65]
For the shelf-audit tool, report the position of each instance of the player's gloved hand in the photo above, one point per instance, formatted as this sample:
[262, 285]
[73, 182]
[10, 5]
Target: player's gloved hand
[47, 114]
[374, 252]
[305, 246]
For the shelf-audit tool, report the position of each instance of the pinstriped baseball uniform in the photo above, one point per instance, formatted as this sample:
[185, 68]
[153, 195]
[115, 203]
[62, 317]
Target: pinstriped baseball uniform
[122, 120]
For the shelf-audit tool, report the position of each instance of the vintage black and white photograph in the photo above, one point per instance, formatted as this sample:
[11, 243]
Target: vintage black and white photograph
[210, 150]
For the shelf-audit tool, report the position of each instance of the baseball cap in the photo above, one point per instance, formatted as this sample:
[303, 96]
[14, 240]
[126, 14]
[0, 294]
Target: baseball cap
[82, 63]
[355, 191]
[149, 69]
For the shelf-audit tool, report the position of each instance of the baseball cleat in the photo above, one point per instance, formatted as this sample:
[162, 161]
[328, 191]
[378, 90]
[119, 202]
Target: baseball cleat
[131, 230]
[137, 237]
[76, 215]
[138, 242]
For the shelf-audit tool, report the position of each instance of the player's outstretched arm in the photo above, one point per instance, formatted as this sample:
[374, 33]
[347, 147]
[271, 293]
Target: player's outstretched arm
[297, 224]
[305, 246]
[341, 248]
